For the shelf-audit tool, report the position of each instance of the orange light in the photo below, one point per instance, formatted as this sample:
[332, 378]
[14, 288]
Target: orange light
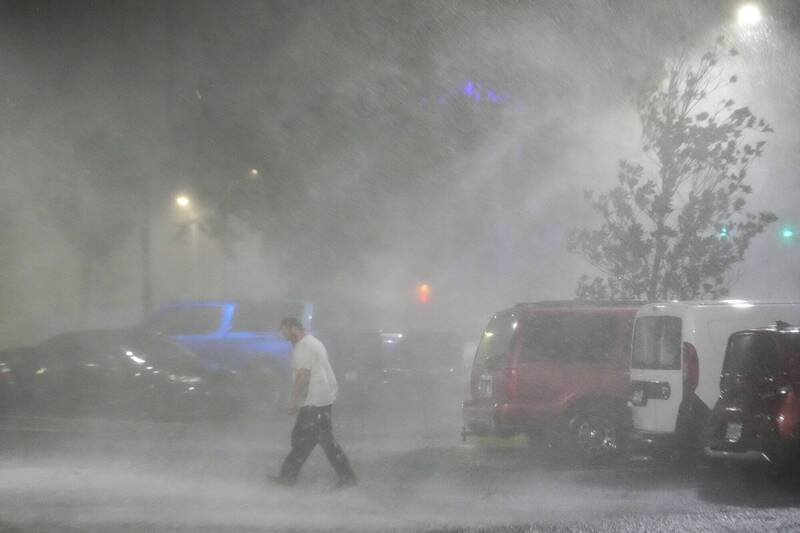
[423, 292]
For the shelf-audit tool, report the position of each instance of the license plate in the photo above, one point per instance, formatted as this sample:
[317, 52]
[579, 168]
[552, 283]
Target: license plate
[485, 386]
[638, 397]
[733, 432]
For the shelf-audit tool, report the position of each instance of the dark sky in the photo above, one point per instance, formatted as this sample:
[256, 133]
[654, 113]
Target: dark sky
[396, 141]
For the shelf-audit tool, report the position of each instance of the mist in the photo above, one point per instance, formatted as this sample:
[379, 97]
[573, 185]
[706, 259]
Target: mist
[340, 153]
[441, 142]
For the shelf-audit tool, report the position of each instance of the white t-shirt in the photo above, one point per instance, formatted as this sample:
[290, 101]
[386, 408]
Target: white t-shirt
[311, 354]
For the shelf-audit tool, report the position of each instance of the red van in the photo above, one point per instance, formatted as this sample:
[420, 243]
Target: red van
[558, 369]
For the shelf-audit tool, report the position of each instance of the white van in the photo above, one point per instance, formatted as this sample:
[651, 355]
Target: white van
[676, 359]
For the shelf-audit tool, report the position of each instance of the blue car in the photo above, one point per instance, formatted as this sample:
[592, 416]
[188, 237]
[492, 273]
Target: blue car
[232, 336]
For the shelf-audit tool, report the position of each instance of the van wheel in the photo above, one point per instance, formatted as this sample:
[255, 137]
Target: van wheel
[535, 439]
[595, 434]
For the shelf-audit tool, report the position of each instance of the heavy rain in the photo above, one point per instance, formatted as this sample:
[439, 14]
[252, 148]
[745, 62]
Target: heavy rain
[548, 249]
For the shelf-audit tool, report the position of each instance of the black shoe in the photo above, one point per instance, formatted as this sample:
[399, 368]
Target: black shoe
[345, 483]
[282, 481]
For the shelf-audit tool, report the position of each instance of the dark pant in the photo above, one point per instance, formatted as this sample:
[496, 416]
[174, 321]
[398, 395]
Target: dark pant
[313, 425]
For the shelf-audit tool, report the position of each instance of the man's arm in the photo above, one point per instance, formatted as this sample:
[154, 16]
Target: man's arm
[299, 389]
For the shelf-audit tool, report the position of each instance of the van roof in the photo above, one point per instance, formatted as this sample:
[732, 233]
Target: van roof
[572, 304]
[779, 327]
[698, 304]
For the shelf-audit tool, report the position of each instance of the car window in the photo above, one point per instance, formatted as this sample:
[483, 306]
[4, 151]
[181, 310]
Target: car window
[657, 343]
[569, 337]
[495, 341]
[752, 355]
[266, 317]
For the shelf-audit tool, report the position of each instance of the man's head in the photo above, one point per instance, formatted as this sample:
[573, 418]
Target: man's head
[292, 329]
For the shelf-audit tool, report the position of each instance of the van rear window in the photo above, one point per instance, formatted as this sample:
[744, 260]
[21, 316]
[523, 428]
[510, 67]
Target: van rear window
[657, 343]
[751, 355]
[495, 342]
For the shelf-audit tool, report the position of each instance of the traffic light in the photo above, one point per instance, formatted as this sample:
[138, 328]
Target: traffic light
[423, 293]
[787, 233]
[723, 232]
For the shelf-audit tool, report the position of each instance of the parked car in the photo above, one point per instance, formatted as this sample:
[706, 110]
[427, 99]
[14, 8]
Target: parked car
[676, 358]
[237, 336]
[757, 416]
[119, 374]
[421, 359]
[394, 367]
[555, 368]
[232, 335]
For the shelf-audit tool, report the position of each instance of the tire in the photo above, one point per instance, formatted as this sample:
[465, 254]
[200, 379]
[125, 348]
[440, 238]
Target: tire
[595, 434]
[692, 431]
[536, 440]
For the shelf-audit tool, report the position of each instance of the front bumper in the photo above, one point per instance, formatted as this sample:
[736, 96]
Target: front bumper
[651, 443]
[765, 451]
[497, 418]
[745, 456]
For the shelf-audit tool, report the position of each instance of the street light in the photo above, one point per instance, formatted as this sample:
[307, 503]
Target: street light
[749, 15]
[183, 201]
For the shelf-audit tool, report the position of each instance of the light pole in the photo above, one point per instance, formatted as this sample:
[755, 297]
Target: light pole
[145, 246]
[184, 203]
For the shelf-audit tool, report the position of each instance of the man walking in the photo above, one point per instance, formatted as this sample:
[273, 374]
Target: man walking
[314, 390]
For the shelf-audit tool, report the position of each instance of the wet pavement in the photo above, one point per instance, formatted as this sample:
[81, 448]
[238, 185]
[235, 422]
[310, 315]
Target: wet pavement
[414, 476]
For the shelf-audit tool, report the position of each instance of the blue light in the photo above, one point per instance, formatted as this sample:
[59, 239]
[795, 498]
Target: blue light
[469, 88]
[475, 91]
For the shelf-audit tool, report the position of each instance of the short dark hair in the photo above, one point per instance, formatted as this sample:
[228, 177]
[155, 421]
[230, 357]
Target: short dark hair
[291, 322]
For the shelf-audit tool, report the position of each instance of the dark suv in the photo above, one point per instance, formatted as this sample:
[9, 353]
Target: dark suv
[558, 369]
[757, 416]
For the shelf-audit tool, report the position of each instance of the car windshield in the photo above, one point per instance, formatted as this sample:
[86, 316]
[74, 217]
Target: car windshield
[265, 317]
[156, 349]
[161, 351]
[752, 355]
[657, 343]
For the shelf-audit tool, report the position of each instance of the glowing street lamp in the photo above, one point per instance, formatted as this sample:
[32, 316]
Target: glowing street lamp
[183, 201]
[749, 15]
